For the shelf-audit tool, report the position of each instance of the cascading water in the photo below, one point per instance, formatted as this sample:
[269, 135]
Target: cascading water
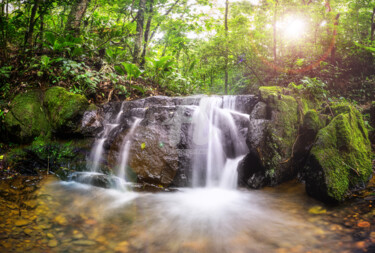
[212, 216]
[123, 159]
[218, 144]
[96, 154]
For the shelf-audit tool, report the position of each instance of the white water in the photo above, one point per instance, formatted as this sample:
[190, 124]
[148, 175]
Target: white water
[213, 123]
[98, 148]
[123, 159]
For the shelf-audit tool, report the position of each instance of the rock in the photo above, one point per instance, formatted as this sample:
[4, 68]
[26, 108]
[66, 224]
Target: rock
[312, 123]
[340, 159]
[152, 162]
[61, 220]
[91, 123]
[21, 223]
[84, 242]
[53, 243]
[65, 110]
[26, 118]
[273, 130]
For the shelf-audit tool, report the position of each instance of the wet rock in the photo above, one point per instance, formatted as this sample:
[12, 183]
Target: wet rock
[91, 123]
[340, 160]
[151, 161]
[21, 223]
[53, 243]
[84, 242]
[26, 118]
[61, 220]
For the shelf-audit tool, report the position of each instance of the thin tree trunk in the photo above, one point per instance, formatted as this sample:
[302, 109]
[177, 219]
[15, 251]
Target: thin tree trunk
[41, 29]
[30, 32]
[165, 14]
[275, 34]
[333, 51]
[372, 25]
[226, 45]
[75, 16]
[139, 37]
[150, 11]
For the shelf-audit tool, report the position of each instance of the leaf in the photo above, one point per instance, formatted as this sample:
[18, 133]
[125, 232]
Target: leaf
[1, 157]
[143, 145]
[317, 210]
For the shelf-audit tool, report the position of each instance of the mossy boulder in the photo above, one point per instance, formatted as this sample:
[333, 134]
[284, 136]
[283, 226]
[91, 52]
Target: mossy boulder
[26, 118]
[65, 109]
[273, 130]
[340, 159]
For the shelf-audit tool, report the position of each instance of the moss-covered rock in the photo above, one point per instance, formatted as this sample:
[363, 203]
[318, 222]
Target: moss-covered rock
[26, 118]
[271, 138]
[64, 109]
[340, 159]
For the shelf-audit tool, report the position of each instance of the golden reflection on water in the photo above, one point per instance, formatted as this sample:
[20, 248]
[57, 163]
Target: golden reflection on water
[51, 216]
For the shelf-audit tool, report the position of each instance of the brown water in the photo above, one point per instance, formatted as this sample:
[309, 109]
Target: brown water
[54, 216]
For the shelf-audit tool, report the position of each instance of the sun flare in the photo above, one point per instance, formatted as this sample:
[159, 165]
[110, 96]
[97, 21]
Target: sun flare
[293, 28]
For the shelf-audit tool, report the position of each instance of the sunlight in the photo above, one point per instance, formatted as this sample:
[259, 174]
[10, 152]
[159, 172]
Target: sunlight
[293, 27]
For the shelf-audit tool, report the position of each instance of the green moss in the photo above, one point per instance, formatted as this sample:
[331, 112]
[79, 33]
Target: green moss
[312, 121]
[26, 118]
[64, 107]
[343, 152]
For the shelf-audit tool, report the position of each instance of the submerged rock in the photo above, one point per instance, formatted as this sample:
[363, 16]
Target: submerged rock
[65, 109]
[340, 159]
[26, 118]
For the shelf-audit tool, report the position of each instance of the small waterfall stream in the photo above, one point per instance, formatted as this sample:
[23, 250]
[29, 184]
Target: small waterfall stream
[216, 134]
[205, 138]
[123, 159]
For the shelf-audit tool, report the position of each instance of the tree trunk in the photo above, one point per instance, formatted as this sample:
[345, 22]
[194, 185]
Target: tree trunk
[75, 16]
[274, 35]
[372, 25]
[150, 11]
[333, 50]
[139, 36]
[41, 29]
[226, 45]
[30, 32]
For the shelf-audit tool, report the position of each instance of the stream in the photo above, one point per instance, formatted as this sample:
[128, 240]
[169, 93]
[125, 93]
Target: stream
[44, 214]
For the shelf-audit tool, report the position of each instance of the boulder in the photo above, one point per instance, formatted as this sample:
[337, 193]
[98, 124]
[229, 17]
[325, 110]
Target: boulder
[340, 159]
[65, 110]
[273, 130]
[152, 157]
[26, 118]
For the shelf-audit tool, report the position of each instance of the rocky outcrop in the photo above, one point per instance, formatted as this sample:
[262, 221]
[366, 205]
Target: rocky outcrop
[26, 118]
[273, 130]
[65, 110]
[340, 159]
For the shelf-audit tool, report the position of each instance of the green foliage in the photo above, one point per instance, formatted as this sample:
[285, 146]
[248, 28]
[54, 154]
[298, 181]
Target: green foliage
[313, 88]
[131, 70]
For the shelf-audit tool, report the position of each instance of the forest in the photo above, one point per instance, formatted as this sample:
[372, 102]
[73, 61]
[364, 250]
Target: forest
[125, 49]
[187, 126]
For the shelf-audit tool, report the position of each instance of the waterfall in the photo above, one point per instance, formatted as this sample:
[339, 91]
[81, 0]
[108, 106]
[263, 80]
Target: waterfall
[96, 154]
[219, 145]
[123, 159]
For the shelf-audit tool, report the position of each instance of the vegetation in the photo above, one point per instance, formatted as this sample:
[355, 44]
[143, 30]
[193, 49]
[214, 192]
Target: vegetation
[125, 49]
